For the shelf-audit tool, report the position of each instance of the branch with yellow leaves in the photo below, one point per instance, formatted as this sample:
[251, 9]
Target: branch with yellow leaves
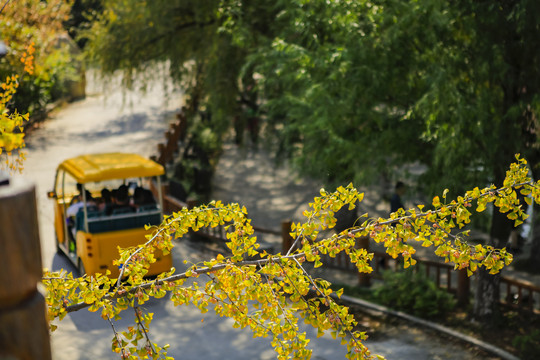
[267, 293]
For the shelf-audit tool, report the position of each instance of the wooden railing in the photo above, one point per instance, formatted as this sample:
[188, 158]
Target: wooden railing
[176, 133]
[442, 274]
[520, 294]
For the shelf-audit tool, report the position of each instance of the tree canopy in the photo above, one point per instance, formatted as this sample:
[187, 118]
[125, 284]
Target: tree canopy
[351, 89]
[41, 24]
[377, 82]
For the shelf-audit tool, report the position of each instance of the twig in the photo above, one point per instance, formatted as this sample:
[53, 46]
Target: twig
[124, 354]
[7, 2]
[144, 330]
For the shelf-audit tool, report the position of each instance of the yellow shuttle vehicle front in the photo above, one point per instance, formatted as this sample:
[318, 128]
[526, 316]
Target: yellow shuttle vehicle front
[102, 202]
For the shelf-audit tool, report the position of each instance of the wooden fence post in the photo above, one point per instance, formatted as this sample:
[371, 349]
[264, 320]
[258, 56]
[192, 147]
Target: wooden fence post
[191, 203]
[463, 287]
[24, 331]
[161, 154]
[286, 237]
[364, 279]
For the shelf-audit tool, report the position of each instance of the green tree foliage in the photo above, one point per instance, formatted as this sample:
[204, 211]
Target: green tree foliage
[272, 293]
[414, 293]
[350, 89]
[80, 16]
[528, 344]
[132, 36]
[387, 82]
[377, 82]
[11, 121]
[40, 23]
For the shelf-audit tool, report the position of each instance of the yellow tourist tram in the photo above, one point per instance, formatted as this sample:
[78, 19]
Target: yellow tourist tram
[102, 202]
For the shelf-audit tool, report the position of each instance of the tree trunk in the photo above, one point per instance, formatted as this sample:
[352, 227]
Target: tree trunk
[486, 297]
[534, 257]
[24, 332]
[487, 290]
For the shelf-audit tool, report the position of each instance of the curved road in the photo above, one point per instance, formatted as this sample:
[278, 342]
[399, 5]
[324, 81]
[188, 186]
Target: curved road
[135, 122]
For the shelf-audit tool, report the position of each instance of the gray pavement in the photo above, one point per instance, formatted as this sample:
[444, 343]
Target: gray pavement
[111, 121]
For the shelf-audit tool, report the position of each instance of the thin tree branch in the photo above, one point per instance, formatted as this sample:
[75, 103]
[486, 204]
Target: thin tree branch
[2, 10]
[144, 330]
[142, 47]
[261, 262]
[124, 354]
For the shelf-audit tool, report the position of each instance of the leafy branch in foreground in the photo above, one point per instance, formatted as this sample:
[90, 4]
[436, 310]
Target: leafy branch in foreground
[272, 293]
[11, 121]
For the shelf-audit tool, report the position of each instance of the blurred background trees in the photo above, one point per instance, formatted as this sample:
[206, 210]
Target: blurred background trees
[451, 85]
[58, 71]
[392, 81]
[347, 90]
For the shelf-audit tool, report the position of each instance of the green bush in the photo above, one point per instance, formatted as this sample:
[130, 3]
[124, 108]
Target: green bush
[57, 71]
[528, 345]
[414, 293]
[195, 167]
